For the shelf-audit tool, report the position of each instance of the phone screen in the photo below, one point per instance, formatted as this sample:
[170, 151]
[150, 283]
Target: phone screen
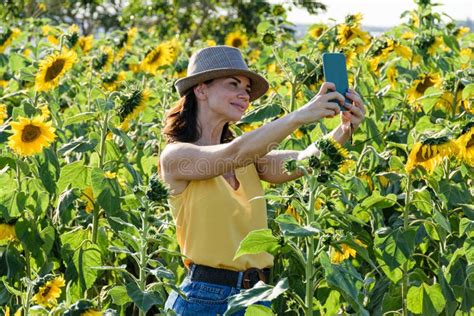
[335, 71]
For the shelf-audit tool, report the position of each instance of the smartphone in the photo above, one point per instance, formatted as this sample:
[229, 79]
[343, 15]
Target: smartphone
[335, 71]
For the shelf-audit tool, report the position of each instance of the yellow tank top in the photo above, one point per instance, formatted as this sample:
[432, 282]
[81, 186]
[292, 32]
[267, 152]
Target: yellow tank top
[212, 219]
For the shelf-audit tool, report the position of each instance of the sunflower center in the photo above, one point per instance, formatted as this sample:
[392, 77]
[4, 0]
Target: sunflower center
[155, 56]
[237, 42]
[30, 133]
[348, 33]
[424, 84]
[55, 69]
[470, 143]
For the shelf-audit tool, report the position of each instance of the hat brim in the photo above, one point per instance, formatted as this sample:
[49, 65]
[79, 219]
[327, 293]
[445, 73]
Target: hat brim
[258, 84]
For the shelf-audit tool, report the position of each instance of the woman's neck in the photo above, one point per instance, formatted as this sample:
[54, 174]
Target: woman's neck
[211, 127]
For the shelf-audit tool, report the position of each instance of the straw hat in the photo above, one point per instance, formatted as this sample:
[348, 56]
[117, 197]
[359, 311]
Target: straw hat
[220, 61]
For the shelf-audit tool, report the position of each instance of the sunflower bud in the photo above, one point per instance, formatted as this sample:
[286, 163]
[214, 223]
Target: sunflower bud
[314, 162]
[290, 165]
[157, 191]
[268, 38]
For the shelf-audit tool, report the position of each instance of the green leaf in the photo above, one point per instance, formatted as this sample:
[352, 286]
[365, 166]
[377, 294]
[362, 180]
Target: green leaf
[48, 235]
[9, 207]
[426, 299]
[65, 202]
[451, 42]
[398, 247]
[290, 227]
[79, 145]
[80, 118]
[260, 292]
[73, 239]
[119, 295]
[258, 241]
[344, 280]
[74, 174]
[379, 201]
[162, 273]
[261, 113]
[258, 310]
[468, 91]
[106, 192]
[84, 260]
[16, 61]
[466, 226]
[28, 234]
[143, 299]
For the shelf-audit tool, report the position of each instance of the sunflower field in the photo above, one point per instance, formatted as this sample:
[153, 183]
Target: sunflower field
[381, 226]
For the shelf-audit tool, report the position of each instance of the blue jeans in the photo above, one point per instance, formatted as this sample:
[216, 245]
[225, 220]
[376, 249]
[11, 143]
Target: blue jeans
[204, 298]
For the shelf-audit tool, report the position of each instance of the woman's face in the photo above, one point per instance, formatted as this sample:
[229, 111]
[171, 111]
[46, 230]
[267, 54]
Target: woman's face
[229, 96]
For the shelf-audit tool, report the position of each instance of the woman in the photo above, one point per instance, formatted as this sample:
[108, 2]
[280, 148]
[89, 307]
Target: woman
[213, 176]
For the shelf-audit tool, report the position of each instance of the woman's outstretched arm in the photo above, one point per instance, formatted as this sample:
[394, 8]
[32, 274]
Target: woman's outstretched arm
[185, 161]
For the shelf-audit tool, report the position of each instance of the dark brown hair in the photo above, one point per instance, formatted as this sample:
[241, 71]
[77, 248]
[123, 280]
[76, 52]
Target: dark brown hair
[181, 122]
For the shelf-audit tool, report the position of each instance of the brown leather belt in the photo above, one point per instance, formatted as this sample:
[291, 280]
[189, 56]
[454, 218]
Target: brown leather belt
[248, 278]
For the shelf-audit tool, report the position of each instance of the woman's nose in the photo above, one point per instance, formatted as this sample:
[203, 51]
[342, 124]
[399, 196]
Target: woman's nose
[244, 94]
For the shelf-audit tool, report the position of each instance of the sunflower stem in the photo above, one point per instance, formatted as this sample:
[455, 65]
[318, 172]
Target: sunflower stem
[405, 281]
[29, 287]
[103, 136]
[143, 252]
[310, 252]
[455, 94]
[18, 175]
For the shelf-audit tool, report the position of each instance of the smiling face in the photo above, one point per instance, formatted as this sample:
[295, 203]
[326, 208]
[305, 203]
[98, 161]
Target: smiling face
[229, 96]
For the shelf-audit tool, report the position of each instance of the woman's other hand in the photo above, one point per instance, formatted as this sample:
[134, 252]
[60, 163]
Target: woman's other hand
[321, 105]
[355, 113]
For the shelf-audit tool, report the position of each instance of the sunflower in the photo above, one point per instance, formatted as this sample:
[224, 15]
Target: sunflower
[419, 86]
[345, 253]
[392, 75]
[49, 291]
[466, 56]
[88, 198]
[45, 113]
[124, 43]
[30, 136]
[428, 43]
[347, 33]
[316, 30]
[211, 42]
[290, 210]
[7, 232]
[7, 37]
[85, 43]
[110, 175]
[465, 143]
[399, 49]
[3, 113]
[338, 155]
[105, 59]
[17, 312]
[236, 39]
[72, 38]
[447, 99]
[430, 153]
[52, 68]
[113, 80]
[161, 55]
[131, 106]
[461, 31]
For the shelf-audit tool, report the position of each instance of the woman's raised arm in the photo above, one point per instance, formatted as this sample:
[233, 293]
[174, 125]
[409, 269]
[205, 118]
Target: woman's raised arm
[185, 161]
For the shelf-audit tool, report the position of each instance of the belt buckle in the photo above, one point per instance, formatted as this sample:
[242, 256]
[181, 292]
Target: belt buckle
[246, 277]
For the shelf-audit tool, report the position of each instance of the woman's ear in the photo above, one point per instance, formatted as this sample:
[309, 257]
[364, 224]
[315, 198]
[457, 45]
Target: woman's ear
[200, 91]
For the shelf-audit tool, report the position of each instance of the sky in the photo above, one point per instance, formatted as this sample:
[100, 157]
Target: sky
[381, 13]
